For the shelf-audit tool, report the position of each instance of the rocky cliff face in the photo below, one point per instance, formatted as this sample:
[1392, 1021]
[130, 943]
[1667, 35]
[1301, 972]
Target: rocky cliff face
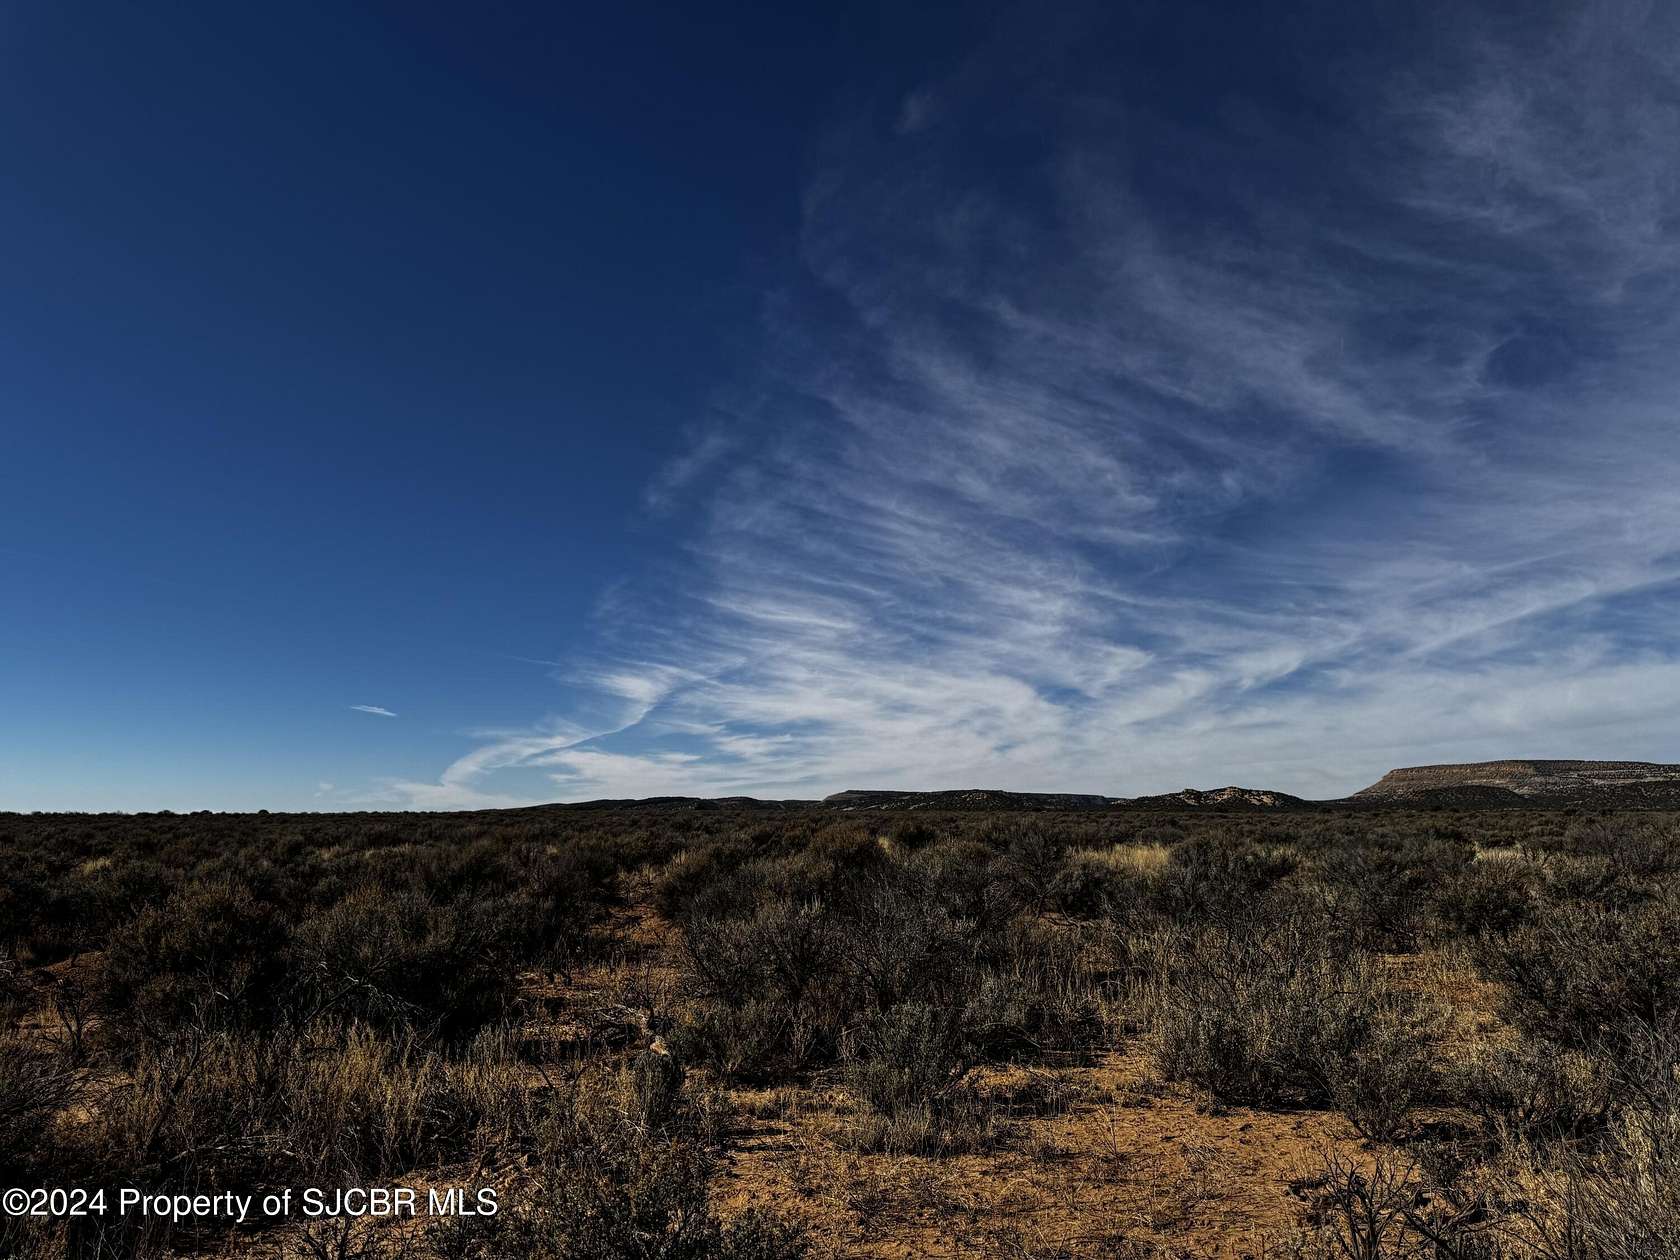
[1604, 784]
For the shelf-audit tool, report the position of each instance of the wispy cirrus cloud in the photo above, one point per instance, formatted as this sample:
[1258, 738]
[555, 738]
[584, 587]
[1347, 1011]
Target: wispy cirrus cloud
[376, 710]
[704, 449]
[1193, 448]
[527, 761]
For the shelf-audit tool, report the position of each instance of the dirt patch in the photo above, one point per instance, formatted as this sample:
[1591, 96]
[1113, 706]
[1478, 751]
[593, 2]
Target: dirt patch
[1090, 1161]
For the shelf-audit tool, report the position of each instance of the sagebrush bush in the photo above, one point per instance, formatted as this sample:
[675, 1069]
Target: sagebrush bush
[1587, 879]
[966, 881]
[1388, 1071]
[1493, 897]
[35, 1085]
[909, 1066]
[755, 1043]
[910, 1055]
[1636, 848]
[1209, 881]
[700, 869]
[771, 1002]
[1382, 891]
[1582, 973]
[1040, 995]
[1271, 1016]
[778, 980]
[1385, 1210]
[1536, 1093]
[406, 960]
[1113, 882]
[780, 952]
[565, 897]
[910, 942]
[210, 957]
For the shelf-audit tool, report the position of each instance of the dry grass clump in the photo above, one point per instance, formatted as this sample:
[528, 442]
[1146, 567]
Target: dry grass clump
[1108, 880]
[1144, 858]
[1501, 853]
[238, 1111]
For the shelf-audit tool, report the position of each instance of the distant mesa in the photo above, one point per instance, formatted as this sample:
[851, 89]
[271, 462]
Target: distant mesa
[1471, 785]
[1490, 784]
[1221, 798]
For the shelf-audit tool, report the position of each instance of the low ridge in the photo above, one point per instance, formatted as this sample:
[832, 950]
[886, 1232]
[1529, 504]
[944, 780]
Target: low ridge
[1222, 798]
[965, 799]
[1526, 783]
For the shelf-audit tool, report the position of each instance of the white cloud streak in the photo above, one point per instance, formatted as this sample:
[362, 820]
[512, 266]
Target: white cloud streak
[374, 709]
[1083, 500]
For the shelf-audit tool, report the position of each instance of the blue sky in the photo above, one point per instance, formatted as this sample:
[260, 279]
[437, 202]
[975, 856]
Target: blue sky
[429, 406]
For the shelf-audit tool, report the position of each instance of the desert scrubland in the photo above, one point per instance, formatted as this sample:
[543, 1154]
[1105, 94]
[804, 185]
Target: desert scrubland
[692, 1033]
